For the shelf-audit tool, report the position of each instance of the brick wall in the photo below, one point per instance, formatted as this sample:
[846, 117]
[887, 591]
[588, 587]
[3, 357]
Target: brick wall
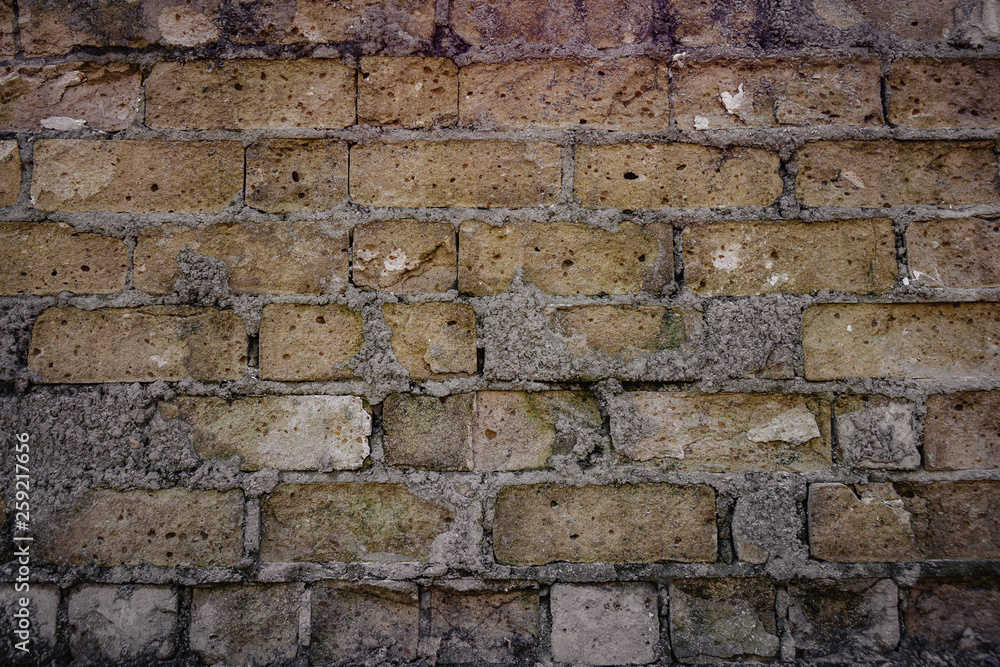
[604, 332]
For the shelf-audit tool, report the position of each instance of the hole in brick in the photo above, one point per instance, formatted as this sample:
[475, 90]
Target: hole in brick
[642, 258]
[452, 323]
[85, 268]
[491, 434]
[583, 121]
[320, 320]
[629, 176]
[295, 176]
[553, 504]
[54, 272]
[573, 536]
[567, 263]
[154, 187]
[238, 86]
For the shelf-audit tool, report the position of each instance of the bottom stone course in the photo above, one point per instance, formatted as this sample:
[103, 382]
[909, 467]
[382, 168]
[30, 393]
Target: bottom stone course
[828, 617]
[356, 622]
[115, 623]
[483, 626]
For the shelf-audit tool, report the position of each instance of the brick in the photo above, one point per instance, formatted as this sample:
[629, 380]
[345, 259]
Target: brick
[778, 92]
[291, 175]
[605, 624]
[117, 623]
[353, 622]
[245, 623]
[433, 341]
[43, 607]
[954, 253]
[724, 432]
[371, 522]
[711, 22]
[601, 23]
[485, 627]
[862, 525]
[954, 520]
[262, 258]
[950, 609]
[428, 432]
[250, 95]
[638, 523]
[932, 93]
[285, 432]
[623, 94]
[565, 258]
[49, 258]
[723, 618]
[901, 340]
[168, 528]
[924, 20]
[6, 30]
[408, 92]
[888, 173]
[151, 343]
[746, 258]
[483, 174]
[405, 256]
[962, 431]
[70, 95]
[655, 176]
[10, 173]
[826, 616]
[136, 176]
[300, 342]
[877, 432]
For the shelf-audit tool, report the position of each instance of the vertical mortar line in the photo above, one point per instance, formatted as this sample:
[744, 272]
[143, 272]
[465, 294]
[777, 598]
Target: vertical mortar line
[544, 624]
[305, 617]
[902, 251]
[678, 239]
[783, 627]
[663, 620]
[251, 528]
[185, 598]
[884, 93]
[61, 647]
[423, 620]
[568, 160]
[16, 30]
[26, 153]
[835, 452]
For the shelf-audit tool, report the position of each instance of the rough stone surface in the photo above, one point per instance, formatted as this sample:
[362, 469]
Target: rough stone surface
[962, 431]
[289, 175]
[359, 622]
[710, 22]
[768, 523]
[954, 253]
[929, 93]
[433, 341]
[43, 608]
[408, 92]
[405, 256]
[655, 176]
[954, 520]
[7, 29]
[609, 624]
[755, 337]
[639, 523]
[950, 610]
[10, 173]
[877, 432]
[116, 623]
[722, 618]
[484, 627]
[49, 258]
[300, 342]
[861, 525]
[428, 432]
[242, 623]
[923, 20]
[828, 616]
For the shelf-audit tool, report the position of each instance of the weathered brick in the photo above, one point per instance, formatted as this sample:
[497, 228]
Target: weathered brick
[284, 432]
[352, 622]
[433, 341]
[962, 431]
[43, 607]
[924, 20]
[117, 623]
[954, 253]
[876, 432]
[708, 22]
[723, 618]
[151, 343]
[828, 615]
[887, 173]
[605, 624]
[485, 627]
[10, 173]
[246, 623]
[948, 610]
[655, 176]
[429, 432]
[931, 93]
[456, 173]
[954, 519]
[540, 524]
[408, 92]
[901, 340]
[746, 258]
[250, 94]
[6, 29]
[623, 94]
[289, 175]
[565, 258]
[601, 23]
[350, 522]
[777, 92]
[860, 525]
[405, 256]
[724, 432]
[169, 528]
[70, 95]
[49, 258]
[136, 176]
[262, 258]
[299, 342]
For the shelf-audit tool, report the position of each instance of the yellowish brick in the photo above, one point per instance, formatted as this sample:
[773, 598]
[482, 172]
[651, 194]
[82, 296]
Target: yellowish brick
[433, 341]
[287, 175]
[930, 93]
[299, 342]
[954, 253]
[619, 331]
[962, 431]
[405, 256]
[408, 92]
[718, 22]
[10, 173]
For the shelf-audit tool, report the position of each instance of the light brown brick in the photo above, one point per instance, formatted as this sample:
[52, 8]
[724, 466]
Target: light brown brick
[433, 341]
[924, 20]
[285, 432]
[877, 432]
[931, 93]
[168, 528]
[776, 92]
[724, 432]
[962, 431]
[6, 30]
[288, 175]
[151, 343]
[408, 92]
[456, 173]
[48, 258]
[405, 256]
[70, 95]
[250, 95]
[623, 332]
[861, 525]
[601, 23]
[639, 523]
[246, 623]
[262, 258]
[136, 176]
[947, 609]
[901, 340]
[887, 173]
[300, 342]
[623, 94]
[484, 627]
[654, 176]
[10, 173]
[565, 258]
[349, 522]
[954, 520]
[746, 258]
[954, 253]
[723, 618]
[428, 432]
[350, 622]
